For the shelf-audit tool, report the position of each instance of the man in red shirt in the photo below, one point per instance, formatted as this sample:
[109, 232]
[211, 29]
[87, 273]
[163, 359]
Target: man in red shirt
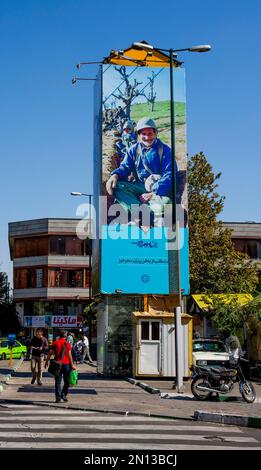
[62, 351]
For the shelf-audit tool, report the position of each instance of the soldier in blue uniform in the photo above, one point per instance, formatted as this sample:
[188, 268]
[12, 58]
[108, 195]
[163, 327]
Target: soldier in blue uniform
[150, 162]
[128, 138]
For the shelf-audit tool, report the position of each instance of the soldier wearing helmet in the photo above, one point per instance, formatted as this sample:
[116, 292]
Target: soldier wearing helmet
[150, 161]
[128, 136]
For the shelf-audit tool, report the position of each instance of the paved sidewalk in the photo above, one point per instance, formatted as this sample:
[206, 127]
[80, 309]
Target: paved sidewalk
[118, 395]
[6, 371]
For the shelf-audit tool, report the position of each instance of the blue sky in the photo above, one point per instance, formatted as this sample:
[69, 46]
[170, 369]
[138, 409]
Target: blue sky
[46, 122]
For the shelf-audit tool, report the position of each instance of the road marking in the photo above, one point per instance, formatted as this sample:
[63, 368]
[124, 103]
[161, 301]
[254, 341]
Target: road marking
[119, 427]
[121, 436]
[117, 445]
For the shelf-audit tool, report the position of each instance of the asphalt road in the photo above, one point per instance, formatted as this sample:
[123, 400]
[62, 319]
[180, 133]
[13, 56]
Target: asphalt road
[40, 427]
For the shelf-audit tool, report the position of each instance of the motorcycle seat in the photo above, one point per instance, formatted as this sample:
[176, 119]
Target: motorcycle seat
[218, 369]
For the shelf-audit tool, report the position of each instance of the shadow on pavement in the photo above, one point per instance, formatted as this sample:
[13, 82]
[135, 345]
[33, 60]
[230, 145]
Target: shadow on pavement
[44, 389]
[23, 374]
[5, 370]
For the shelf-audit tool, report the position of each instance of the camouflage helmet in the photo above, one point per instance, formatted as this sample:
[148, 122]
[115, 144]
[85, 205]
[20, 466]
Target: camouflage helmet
[128, 125]
[146, 123]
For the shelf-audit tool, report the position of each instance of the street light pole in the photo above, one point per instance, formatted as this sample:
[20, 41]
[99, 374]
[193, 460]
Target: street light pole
[175, 227]
[175, 222]
[75, 193]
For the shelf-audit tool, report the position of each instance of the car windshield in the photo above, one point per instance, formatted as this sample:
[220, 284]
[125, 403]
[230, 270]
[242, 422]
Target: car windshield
[209, 346]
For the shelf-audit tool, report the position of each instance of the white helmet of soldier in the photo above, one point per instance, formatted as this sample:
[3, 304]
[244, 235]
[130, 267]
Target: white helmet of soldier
[146, 123]
[128, 125]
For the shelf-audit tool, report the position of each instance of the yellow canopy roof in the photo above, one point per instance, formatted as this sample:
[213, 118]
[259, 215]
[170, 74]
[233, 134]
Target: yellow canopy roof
[159, 315]
[134, 56]
[204, 300]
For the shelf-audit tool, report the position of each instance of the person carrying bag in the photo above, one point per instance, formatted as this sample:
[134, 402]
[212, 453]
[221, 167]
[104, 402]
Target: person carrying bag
[56, 366]
[61, 366]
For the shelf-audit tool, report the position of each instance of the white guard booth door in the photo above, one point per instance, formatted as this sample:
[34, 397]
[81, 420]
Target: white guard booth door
[149, 347]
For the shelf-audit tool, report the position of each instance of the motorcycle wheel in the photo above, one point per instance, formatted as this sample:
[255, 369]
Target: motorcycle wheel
[247, 391]
[200, 394]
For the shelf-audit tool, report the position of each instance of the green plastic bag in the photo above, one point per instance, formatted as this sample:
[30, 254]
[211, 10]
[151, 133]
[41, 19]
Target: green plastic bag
[73, 378]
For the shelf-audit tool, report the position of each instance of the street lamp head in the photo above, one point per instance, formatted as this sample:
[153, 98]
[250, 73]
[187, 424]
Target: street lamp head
[74, 80]
[143, 45]
[201, 48]
[78, 66]
[117, 53]
[118, 291]
[76, 193]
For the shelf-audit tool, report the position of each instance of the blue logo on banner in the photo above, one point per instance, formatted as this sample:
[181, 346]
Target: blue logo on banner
[145, 278]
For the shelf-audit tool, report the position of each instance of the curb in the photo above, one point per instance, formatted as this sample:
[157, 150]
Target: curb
[145, 387]
[17, 366]
[221, 418]
[205, 416]
[7, 377]
[97, 410]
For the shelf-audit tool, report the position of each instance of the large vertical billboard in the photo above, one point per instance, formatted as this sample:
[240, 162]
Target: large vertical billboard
[138, 249]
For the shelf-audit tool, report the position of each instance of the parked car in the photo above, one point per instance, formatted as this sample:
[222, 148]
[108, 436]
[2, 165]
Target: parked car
[209, 352]
[18, 349]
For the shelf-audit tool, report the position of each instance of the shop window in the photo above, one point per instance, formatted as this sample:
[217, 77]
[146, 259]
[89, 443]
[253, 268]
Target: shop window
[65, 277]
[247, 246]
[87, 246]
[87, 278]
[74, 246]
[57, 245]
[29, 278]
[68, 246]
[34, 246]
[75, 278]
[39, 278]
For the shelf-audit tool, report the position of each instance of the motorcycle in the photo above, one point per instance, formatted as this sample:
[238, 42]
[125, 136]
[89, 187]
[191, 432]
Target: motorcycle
[217, 379]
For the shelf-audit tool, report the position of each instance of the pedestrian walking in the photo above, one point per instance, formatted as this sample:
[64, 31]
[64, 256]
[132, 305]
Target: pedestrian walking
[70, 338]
[76, 352]
[38, 348]
[62, 351]
[83, 344]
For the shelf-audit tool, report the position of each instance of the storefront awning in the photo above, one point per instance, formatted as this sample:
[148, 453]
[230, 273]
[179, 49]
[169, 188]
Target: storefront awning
[154, 315]
[205, 300]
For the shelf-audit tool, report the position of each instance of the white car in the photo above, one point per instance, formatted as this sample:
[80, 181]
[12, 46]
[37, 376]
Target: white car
[209, 352]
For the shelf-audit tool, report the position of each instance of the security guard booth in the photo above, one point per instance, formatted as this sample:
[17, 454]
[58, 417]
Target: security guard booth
[154, 340]
[136, 337]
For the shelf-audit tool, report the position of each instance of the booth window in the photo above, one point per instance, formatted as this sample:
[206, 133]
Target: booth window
[145, 330]
[155, 331]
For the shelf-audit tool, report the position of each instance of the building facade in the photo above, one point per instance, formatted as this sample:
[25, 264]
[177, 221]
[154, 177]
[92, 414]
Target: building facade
[51, 273]
[246, 237]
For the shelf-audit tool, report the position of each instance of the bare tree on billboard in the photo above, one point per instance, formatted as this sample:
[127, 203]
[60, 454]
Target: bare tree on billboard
[130, 92]
[151, 98]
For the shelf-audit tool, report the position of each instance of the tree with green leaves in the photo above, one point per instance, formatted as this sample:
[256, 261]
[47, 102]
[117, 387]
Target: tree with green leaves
[215, 266]
[3, 288]
[9, 322]
[230, 318]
